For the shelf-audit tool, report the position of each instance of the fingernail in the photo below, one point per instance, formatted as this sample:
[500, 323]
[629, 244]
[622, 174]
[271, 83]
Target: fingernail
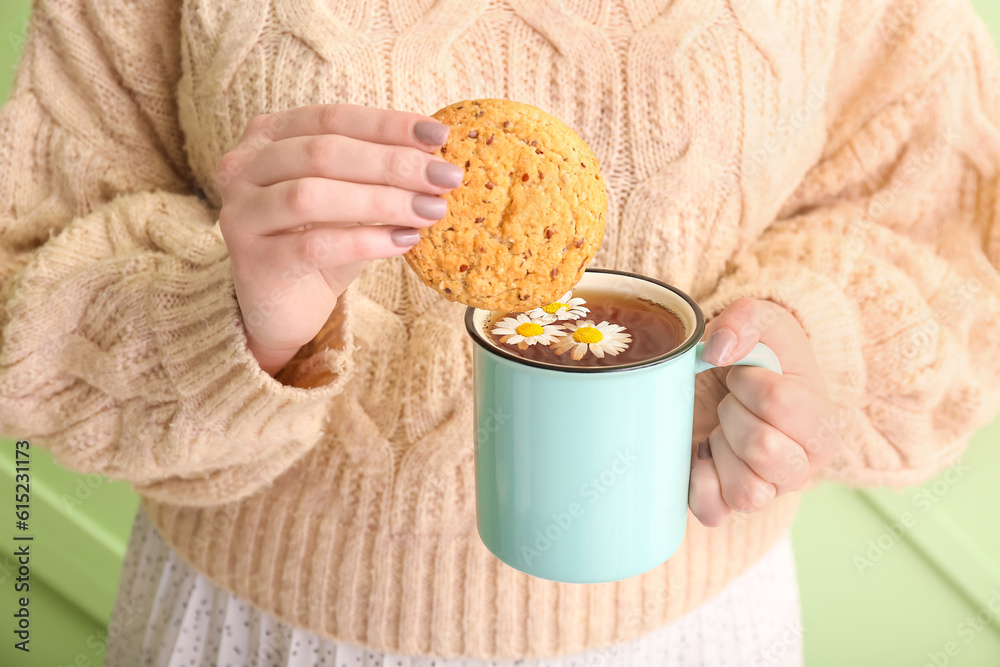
[431, 132]
[719, 347]
[405, 237]
[445, 174]
[432, 208]
[704, 449]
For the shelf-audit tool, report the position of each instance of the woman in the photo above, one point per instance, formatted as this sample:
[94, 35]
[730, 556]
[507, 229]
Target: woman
[191, 305]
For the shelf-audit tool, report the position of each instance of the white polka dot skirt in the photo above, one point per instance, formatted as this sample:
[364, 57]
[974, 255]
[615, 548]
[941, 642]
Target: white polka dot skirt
[168, 615]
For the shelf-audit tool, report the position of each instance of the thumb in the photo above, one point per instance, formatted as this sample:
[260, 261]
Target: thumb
[745, 322]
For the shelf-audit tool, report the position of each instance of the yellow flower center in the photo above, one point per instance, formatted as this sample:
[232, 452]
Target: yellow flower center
[588, 335]
[553, 308]
[529, 329]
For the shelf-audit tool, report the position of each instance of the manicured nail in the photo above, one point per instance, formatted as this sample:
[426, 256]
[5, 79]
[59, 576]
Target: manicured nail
[445, 174]
[432, 208]
[719, 347]
[405, 237]
[431, 132]
[704, 449]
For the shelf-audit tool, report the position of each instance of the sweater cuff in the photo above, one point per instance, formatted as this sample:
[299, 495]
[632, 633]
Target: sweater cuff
[196, 313]
[826, 314]
[257, 424]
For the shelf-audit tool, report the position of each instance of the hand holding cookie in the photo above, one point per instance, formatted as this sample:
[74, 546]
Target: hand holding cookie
[301, 193]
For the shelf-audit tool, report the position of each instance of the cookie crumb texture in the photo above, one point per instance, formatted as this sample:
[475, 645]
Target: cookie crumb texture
[528, 217]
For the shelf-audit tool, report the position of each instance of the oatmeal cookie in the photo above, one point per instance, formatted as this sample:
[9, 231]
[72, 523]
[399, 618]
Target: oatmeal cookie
[529, 214]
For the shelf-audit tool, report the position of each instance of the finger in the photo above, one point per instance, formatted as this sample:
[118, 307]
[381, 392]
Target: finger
[742, 488]
[290, 204]
[767, 451]
[294, 255]
[705, 493]
[342, 158]
[380, 126]
[791, 406]
[745, 322]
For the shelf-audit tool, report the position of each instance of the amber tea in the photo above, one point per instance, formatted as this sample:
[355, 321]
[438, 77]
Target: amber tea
[589, 328]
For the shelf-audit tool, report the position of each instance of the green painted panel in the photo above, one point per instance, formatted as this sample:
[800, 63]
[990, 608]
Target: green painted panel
[60, 635]
[989, 11]
[80, 527]
[872, 599]
[13, 27]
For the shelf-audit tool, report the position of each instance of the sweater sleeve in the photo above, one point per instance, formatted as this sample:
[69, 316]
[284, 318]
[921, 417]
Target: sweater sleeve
[123, 349]
[888, 252]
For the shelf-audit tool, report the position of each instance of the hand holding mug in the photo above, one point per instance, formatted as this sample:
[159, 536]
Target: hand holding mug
[758, 434]
[310, 195]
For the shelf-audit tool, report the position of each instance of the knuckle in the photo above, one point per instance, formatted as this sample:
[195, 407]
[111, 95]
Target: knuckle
[229, 233]
[229, 165]
[791, 470]
[399, 165]
[330, 116]
[257, 125]
[706, 504]
[794, 482]
[383, 123]
[797, 462]
[300, 197]
[773, 401]
[747, 495]
[383, 207]
[762, 448]
[712, 517]
[319, 249]
[364, 247]
[359, 245]
[744, 306]
[727, 405]
[318, 151]
[304, 259]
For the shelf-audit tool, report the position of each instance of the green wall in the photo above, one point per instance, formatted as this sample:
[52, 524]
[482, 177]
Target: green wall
[887, 578]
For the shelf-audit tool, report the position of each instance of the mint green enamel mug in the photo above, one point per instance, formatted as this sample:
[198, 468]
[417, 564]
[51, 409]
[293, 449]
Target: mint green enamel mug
[582, 473]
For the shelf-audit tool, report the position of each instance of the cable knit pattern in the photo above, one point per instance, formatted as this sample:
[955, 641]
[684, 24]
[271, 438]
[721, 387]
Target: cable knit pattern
[839, 160]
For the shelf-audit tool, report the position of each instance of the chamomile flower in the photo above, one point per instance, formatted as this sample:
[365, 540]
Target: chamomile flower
[566, 308]
[524, 331]
[600, 339]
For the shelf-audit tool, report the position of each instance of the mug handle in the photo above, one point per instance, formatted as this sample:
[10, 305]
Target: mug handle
[761, 355]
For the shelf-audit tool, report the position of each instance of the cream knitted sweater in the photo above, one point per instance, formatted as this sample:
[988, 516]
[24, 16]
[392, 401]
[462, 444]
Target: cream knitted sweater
[839, 160]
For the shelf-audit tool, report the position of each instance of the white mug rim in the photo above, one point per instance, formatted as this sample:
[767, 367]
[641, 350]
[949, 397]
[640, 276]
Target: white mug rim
[473, 327]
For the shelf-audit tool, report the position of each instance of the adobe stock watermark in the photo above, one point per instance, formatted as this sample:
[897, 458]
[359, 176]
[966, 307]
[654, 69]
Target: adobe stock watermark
[493, 420]
[652, 606]
[589, 493]
[126, 615]
[790, 640]
[757, 157]
[854, 23]
[86, 486]
[966, 631]
[218, 519]
[881, 203]
[923, 502]
[37, 19]
[960, 293]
